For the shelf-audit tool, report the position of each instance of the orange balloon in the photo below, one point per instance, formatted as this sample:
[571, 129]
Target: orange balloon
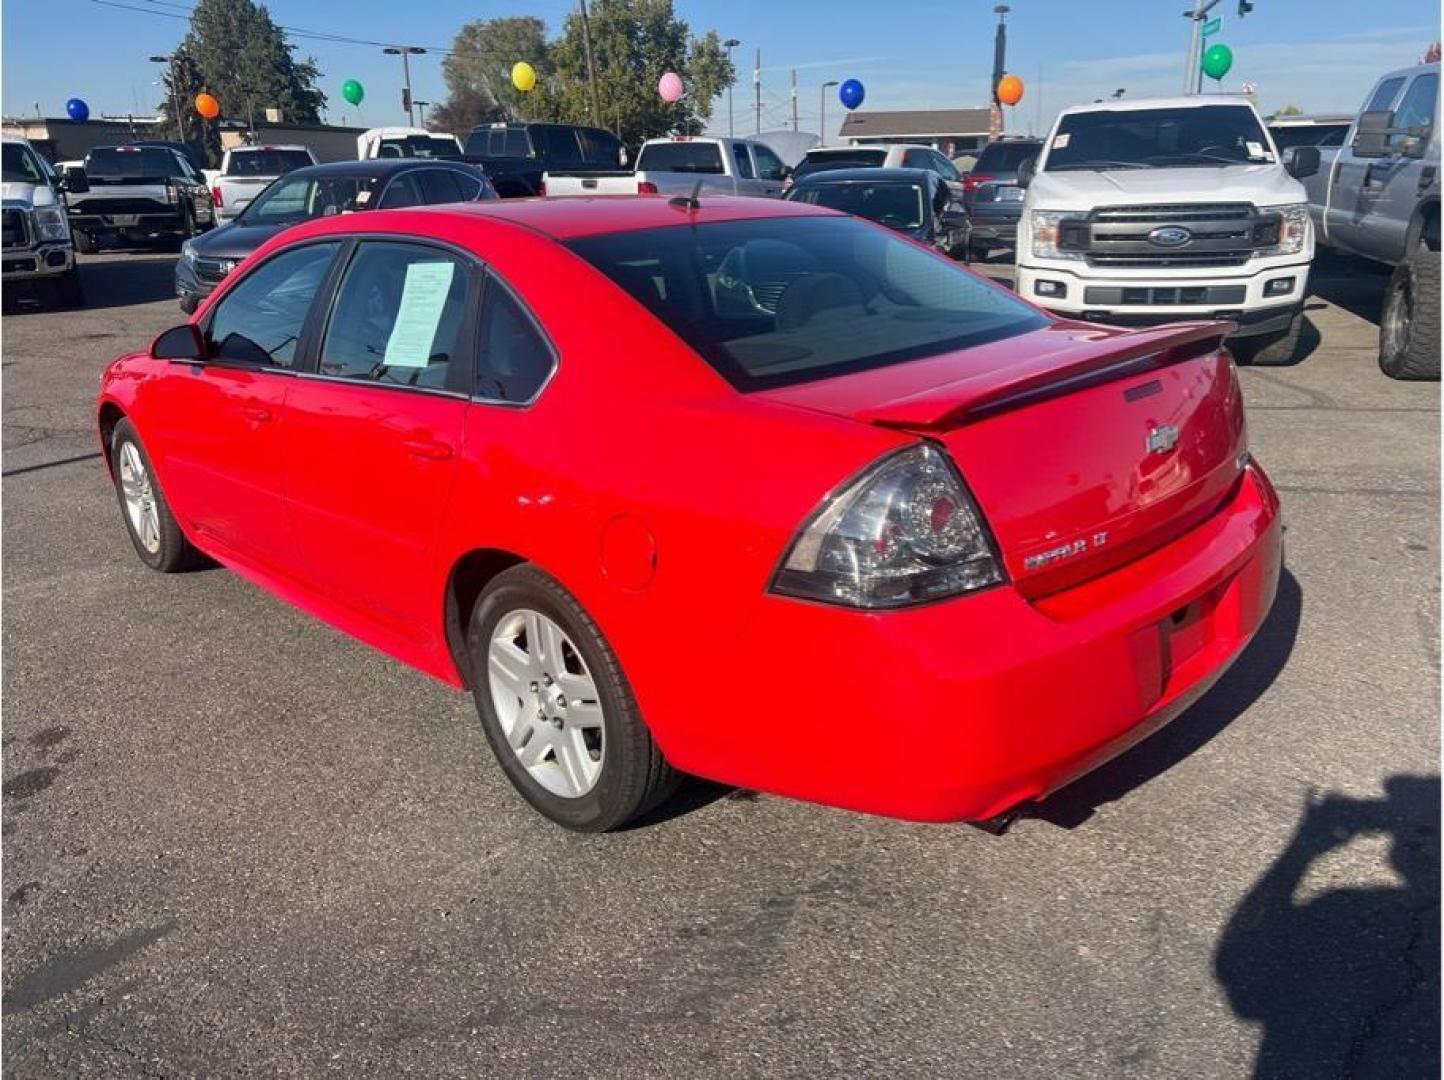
[208, 106]
[1010, 89]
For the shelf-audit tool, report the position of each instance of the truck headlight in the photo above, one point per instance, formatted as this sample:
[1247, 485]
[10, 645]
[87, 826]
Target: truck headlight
[50, 223]
[1047, 229]
[1292, 224]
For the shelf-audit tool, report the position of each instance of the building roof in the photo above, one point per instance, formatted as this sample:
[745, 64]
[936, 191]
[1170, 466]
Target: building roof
[913, 122]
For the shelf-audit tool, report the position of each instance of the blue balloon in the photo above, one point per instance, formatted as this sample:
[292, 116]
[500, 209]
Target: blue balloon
[850, 94]
[77, 110]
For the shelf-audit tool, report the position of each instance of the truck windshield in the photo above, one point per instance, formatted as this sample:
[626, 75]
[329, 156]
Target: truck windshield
[1201, 136]
[266, 162]
[787, 300]
[299, 198]
[128, 162]
[20, 166]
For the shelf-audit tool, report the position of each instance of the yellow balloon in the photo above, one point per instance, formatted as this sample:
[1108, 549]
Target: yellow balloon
[523, 76]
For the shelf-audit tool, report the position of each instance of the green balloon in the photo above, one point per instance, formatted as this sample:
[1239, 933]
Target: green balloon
[353, 91]
[1217, 60]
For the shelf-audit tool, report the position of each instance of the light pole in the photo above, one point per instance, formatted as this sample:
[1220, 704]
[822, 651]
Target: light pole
[822, 123]
[180, 124]
[730, 44]
[421, 107]
[405, 52]
[1193, 65]
[1000, 51]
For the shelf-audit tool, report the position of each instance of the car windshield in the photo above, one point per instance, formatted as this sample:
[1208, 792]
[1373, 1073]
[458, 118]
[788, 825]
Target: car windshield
[897, 205]
[418, 146]
[292, 199]
[127, 162]
[20, 166]
[780, 301]
[266, 162]
[1205, 136]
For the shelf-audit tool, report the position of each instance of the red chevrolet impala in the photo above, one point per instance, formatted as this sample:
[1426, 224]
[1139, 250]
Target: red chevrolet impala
[739, 488]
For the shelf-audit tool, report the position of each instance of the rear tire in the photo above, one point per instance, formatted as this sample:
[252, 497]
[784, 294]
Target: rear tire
[1270, 350]
[68, 291]
[1409, 328]
[157, 536]
[622, 772]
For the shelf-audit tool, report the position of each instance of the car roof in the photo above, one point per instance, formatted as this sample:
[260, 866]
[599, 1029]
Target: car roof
[265, 146]
[823, 151]
[377, 168]
[869, 176]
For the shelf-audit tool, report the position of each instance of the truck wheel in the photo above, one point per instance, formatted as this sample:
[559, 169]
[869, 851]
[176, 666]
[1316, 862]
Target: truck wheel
[68, 291]
[187, 226]
[84, 243]
[1269, 350]
[189, 303]
[1409, 329]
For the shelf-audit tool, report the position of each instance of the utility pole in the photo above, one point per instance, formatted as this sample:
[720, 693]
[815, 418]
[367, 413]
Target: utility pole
[794, 99]
[1193, 65]
[405, 52]
[591, 69]
[421, 107]
[730, 44]
[1000, 50]
[174, 93]
[822, 123]
[757, 93]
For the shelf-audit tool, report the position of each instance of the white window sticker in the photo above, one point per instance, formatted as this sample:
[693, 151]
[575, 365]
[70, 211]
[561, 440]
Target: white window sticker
[362, 197]
[422, 299]
[1256, 150]
[1060, 142]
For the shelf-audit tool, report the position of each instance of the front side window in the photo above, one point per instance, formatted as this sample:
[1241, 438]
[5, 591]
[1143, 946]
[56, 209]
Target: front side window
[771, 303]
[769, 165]
[1385, 94]
[293, 199]
[513, 360]
[401, 192]
[260, 318]
[1202, 137]
[398, 317]
[440, 186]
[743, 160]
[1415, 114]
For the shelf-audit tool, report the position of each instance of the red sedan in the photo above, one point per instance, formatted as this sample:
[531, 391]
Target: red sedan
[745, 489]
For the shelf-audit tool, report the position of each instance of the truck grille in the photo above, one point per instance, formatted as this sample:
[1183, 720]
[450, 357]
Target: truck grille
[15, 225]
[1220, 234]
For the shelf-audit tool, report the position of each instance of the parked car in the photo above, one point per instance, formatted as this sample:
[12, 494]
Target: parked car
[881, 156]
[246, 170]
[339, 187]
[747, 489]
[992, 197]
[1379, 198]
[516, 156]
[678, 165]
[36, 232]
[137, 193]
[1145, 211]
[914, 202]
[407, 142]
[1323, 129]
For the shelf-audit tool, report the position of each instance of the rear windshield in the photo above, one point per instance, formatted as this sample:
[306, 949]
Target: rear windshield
[684, 157]
[498, 142]
[1206, 136]
[131, 161]
[782, 301]
[849, 159]
[896, 205]
[1005, 156]
[415, 146]
[287, 200]
[267, 162]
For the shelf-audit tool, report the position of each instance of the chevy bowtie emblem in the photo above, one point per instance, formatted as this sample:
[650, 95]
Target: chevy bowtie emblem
[1162, 438]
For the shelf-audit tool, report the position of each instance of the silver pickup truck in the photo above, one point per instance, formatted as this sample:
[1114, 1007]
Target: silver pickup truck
[675, 166]
[1378, 196]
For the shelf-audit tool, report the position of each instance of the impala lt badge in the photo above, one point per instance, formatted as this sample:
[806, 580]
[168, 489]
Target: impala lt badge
[1162, 438]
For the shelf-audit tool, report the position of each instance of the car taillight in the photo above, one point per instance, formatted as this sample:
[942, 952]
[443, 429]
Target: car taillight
[646, 187]
[906, 531]
[972, 180]
[541, 187]
[216, 196]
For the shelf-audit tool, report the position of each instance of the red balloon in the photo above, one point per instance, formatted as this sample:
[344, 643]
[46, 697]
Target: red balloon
[1010, 89]
[208, 106]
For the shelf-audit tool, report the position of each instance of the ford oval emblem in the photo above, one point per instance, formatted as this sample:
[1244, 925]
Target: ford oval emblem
[1169, 236]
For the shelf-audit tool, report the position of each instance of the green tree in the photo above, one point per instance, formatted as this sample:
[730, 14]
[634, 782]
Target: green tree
[478, 74]
[1290, 110]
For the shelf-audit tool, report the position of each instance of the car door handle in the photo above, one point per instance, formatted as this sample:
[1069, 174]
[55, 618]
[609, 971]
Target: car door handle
[427, 448]
[257, 414]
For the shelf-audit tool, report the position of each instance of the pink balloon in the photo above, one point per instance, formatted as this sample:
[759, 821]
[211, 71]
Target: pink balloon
[670, 87]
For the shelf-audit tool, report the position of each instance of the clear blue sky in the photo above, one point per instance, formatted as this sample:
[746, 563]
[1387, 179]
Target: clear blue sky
[1319, 54]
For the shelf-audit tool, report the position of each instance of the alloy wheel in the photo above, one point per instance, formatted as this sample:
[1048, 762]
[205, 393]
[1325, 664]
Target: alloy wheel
[139, 496]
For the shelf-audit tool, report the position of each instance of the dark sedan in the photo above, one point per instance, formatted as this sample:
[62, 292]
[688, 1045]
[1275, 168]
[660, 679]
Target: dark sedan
[341, 187]
[992, 197]
[915, 202]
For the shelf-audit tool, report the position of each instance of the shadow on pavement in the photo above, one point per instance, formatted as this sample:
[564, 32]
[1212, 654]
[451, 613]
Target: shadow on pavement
[1344, 981]
[1253, 673]
[141, 278]
[1356, 285]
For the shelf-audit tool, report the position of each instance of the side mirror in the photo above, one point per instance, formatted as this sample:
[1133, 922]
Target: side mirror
[182, 342]
[74, 180]
[1302, 162]
[1371, 136]
[1026, 171]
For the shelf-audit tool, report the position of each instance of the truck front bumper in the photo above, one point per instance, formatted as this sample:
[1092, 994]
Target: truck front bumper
[1263, 300]
[47, 260]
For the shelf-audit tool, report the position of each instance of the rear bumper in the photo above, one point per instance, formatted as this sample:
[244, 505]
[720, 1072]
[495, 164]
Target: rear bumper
[963, 709]
[993, 228]
[150, 224]
[47, 260]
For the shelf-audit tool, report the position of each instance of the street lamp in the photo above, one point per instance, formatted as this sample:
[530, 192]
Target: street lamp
[421, 107]
[822, 123]
[405, 51]
[730, 44]
[169, 61]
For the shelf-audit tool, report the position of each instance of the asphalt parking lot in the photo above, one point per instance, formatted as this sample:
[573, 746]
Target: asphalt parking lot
[238, 842]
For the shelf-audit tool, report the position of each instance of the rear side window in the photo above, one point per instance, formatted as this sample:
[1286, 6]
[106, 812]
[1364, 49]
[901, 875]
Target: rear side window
[513, 359]
[1415, 114]
[402, 191]
[398, 318]
[440, 186]
[260, 319]
[683, 157]
[744, 162]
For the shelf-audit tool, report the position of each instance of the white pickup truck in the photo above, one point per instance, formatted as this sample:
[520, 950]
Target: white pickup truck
[406, 142]
[675, 166]
[246, 170]
[1164, 210]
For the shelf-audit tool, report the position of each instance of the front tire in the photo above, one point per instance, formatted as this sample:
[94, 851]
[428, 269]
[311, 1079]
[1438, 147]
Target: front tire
[68, 291]
[1270, 350]
[152, 527]
[557, 708]
[1409, 328]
